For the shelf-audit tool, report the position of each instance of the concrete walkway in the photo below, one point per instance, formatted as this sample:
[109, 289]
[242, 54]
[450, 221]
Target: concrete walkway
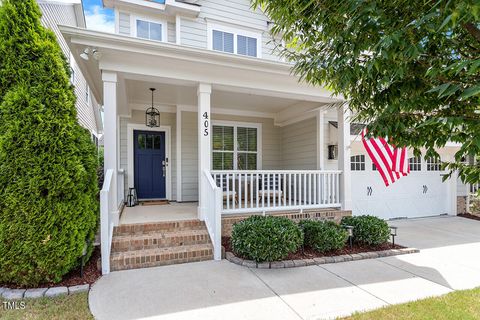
[449, 260]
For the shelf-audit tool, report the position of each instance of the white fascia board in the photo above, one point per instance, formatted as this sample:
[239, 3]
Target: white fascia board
[133, 55]
[170, 7]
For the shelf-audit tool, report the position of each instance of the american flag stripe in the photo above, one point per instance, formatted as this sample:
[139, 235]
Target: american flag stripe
[391, 162]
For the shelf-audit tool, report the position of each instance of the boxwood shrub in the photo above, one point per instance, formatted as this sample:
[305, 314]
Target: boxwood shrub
[368, 230]
[48, 183]
[266, 238]
[323, 236]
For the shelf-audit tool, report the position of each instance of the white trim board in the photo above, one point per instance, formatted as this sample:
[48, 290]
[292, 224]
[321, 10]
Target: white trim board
[130, 154]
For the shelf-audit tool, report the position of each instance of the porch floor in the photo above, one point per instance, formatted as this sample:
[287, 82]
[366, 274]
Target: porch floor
[158, 213]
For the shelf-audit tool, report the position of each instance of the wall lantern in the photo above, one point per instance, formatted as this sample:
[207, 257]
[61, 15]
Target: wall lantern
[393, 233]
[152, 115]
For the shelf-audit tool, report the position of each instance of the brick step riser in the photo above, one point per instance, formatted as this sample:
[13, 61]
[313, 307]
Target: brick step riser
[148, 229]
[158, 263]
[125, 245]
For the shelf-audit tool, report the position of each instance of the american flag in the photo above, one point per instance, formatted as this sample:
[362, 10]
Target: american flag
[391, 162]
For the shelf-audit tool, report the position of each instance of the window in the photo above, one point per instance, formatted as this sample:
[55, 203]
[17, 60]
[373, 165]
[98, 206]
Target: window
[149, 30]
[232, 40]
[357, 163]
[87, 94]
[149, 141]
[234, 147]
[246, 46]
[415, 163]
[222, 41]
[374, 167]
[434, 164]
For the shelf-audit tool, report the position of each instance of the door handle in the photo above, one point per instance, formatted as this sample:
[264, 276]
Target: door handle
[163, 168]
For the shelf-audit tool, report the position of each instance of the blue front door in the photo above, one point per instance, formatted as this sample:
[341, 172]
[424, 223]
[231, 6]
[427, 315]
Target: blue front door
[150, 167]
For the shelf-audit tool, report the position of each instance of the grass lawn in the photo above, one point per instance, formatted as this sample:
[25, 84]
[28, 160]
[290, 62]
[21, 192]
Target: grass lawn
[62, 308]
[456, 305]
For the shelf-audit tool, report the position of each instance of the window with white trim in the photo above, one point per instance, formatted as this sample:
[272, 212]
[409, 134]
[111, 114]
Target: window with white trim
[374, 167]
[234, 147]
[149, 30]
[246, 46]
[434, 164]
[357, 163]
[415, 163]
[222, 41]
[235, 41]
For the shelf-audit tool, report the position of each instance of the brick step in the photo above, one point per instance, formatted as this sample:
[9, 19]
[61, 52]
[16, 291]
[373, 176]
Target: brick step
[160, 257]
[145, 241]
[165, 226]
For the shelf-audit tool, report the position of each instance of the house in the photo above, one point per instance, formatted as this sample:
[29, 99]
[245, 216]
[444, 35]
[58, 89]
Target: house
[236, 134]
[70, 12]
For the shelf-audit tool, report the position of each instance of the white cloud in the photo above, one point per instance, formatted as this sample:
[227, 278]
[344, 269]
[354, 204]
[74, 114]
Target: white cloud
[99, 19]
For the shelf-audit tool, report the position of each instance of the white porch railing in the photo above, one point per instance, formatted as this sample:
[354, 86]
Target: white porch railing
[274, 190]
[107, 206]
[213, 214]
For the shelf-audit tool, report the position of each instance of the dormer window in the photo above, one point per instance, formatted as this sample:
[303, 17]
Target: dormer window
[233, 40]
[150, 30]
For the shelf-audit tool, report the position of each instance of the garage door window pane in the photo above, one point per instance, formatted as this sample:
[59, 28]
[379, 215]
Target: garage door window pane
[434, 164]
[415, 164]
[357, 163]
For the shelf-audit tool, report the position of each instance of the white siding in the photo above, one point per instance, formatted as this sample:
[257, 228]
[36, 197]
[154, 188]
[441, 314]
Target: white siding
[64, 14]
[300, 145]
[194, 33]
[124, 23]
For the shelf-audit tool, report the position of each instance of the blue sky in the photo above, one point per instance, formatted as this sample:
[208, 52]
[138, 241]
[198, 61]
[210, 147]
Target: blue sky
[98, 17]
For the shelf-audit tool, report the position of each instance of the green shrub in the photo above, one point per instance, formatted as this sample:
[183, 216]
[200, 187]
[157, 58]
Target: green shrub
[323, 236]
[48, 183]
[368, 230]
[267, 238]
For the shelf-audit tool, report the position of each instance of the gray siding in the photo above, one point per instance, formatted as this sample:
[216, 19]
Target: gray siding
[300, 145]
[124, 23]
[234, 12]
[189, 157]
[64, 14]
[171, 32]
[138, 117]
[193, 33]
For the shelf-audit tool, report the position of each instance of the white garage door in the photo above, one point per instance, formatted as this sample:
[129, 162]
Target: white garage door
[422, 193]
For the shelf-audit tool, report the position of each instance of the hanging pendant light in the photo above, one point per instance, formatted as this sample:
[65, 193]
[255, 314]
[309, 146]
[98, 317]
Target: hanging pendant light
[152, 115]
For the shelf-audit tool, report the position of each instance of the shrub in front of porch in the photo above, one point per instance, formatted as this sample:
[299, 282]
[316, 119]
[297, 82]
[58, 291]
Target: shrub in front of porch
[266, 239]
[367, 229]
[48, 183]
[323, 236]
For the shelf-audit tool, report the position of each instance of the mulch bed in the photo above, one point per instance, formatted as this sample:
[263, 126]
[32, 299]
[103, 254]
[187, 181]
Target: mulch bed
[469, 216]
[73, 278]
[308, 253]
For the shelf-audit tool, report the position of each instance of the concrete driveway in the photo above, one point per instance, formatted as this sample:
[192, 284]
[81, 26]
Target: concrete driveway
[449, 260]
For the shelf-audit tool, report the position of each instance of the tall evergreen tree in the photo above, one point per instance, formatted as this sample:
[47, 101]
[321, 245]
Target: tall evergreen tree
[48, 187]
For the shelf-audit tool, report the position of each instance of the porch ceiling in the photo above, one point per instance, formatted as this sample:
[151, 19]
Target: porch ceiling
[171, 94]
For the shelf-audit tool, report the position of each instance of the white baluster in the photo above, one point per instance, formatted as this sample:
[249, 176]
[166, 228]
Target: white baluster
[257, 190]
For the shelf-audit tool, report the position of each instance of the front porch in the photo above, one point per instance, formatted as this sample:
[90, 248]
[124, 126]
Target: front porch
[236, 135]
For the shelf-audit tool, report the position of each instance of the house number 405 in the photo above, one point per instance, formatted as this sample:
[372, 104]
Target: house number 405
[205, 124]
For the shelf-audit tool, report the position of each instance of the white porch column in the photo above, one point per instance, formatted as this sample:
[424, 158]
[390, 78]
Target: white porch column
[344, 157]
[321, 139]
[110, 130]
[179, 152]
[204, 142]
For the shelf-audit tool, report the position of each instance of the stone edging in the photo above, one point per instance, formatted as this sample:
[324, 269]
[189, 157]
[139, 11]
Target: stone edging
[11, 294]
[320, 260]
